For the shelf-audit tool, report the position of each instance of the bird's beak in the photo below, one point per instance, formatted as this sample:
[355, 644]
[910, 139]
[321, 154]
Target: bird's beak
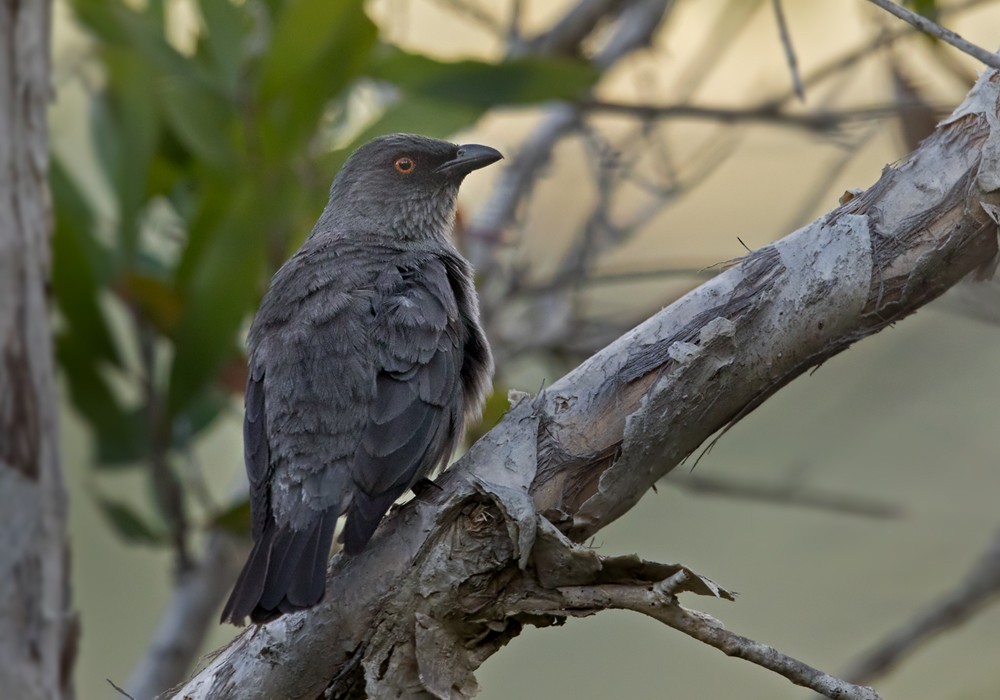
[470, 157]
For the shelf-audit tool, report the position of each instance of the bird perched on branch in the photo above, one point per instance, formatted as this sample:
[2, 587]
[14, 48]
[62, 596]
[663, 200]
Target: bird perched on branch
[366, 359]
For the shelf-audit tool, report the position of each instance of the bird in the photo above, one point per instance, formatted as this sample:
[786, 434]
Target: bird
[366, 360]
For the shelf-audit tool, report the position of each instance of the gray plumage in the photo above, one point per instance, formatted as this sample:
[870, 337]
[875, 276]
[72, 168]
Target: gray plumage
[366, 359]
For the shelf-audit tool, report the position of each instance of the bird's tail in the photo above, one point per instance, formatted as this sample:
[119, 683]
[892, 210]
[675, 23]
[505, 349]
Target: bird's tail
[364, 516]
[285, 572]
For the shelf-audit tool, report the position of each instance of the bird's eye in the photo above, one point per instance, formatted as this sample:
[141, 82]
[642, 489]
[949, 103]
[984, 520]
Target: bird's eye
[405, 165]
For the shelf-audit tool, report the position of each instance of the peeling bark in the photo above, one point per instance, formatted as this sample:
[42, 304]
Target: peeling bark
[454, 575]
[37, 629]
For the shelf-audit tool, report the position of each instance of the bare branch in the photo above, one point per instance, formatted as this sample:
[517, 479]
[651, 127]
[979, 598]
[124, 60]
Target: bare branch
[660, 605]
[634, 29]
[853, 57]
[786, 42]
[515, 181]
[979, 588]
[119, 690]
[565, 36]
[784, 494]
[935, 29]
[766, 113]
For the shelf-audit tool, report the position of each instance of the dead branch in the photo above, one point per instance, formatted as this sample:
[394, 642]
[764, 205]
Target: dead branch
[935, 29]
[661, 605]
[980, 587]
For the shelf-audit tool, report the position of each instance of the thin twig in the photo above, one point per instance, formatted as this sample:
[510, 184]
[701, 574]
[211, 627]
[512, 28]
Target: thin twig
[652, 601]
[632, 31]
[854, 56]
[168, 491]
[935, 29]
[764, 113]
[786, 42]
[118, 689]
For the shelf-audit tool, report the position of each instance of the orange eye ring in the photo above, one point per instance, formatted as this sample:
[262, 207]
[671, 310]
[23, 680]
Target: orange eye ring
[405, 165]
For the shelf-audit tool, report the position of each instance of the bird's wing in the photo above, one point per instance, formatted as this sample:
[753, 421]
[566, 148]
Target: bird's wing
[310, 383]
[311, 344]
[256, 453]
[417, 410]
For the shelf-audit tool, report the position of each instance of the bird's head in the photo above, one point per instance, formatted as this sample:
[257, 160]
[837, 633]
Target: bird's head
[403, 185]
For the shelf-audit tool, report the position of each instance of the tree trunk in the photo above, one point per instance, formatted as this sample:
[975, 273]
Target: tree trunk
[37, 628]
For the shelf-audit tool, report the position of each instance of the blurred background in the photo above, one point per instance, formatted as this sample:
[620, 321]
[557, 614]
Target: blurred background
[647, 141]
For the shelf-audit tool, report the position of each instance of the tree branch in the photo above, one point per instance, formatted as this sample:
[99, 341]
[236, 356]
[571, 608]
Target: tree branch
[634, 29]
[444, 582]
[767, 113]
[660, 605]
[980, 586]
[935, 29]
[786, 42]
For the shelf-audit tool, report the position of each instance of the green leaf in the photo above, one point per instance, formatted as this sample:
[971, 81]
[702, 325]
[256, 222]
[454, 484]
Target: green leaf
[422, 116]
[125, 125]
[146, 36]
[120, 436]
[157, 301]
[213, 204]
[202, 120]
[199, 415]
[221, 289]
[516, 81]
[128, 523]
[77, 277]
[319, 47]
[126, 446]
[234, 519]
[226, 26]
[101, 17]
[306, 37]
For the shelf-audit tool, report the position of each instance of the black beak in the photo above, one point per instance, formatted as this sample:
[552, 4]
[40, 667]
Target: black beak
[470, 157]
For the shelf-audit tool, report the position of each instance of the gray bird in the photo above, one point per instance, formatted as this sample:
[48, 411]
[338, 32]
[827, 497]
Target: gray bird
[366, 360]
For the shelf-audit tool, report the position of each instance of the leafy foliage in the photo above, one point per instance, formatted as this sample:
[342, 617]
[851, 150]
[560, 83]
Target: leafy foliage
[215, 156]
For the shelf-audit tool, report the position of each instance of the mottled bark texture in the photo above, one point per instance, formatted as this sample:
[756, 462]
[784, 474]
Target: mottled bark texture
[456, 574]
[37, 628]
